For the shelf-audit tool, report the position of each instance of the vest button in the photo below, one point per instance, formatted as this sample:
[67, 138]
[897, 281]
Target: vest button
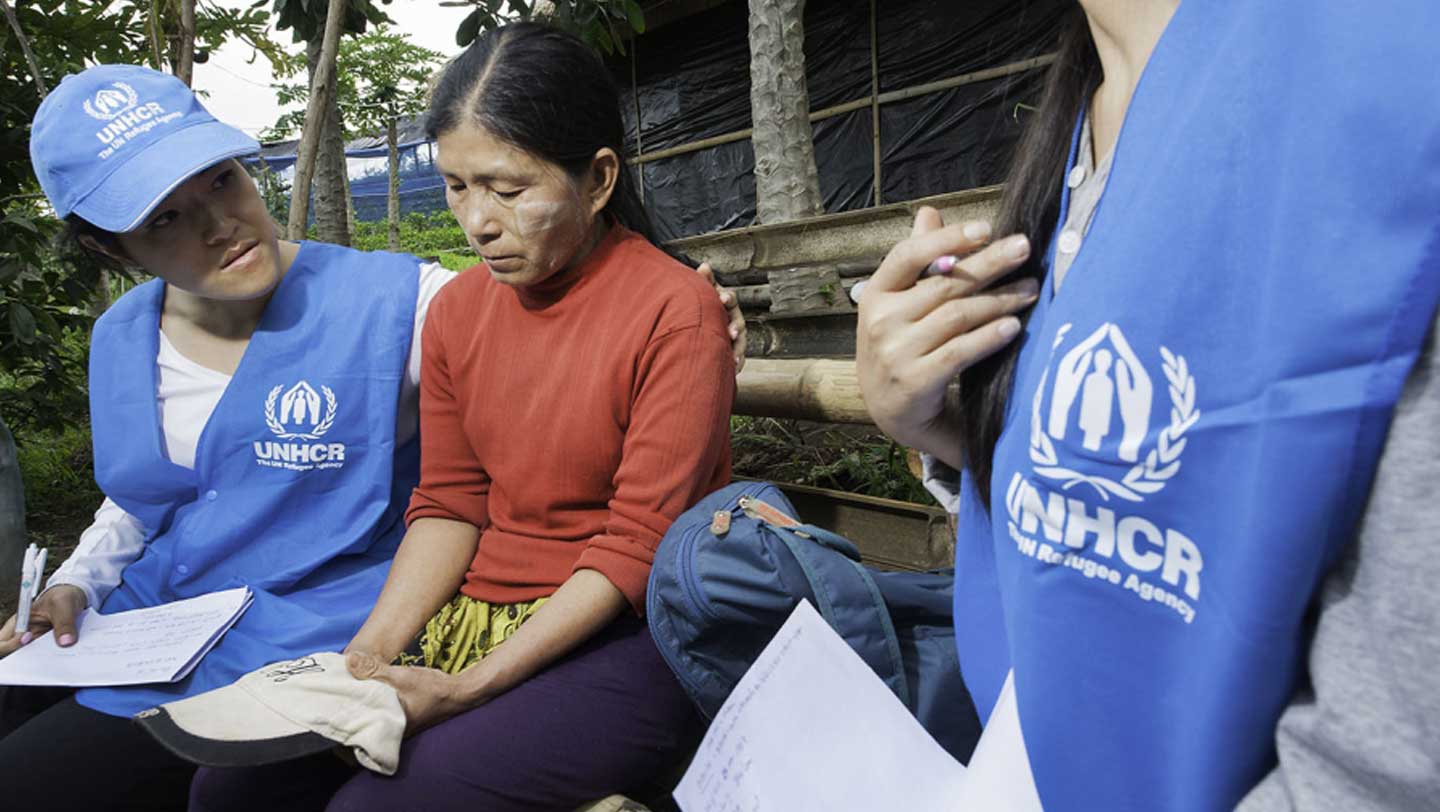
[181, 568]
[212, 495]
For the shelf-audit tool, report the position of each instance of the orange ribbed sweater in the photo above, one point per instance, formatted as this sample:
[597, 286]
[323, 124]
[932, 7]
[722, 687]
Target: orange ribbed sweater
[573, 421]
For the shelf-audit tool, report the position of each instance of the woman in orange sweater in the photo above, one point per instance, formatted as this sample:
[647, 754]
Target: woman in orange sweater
[575, 399]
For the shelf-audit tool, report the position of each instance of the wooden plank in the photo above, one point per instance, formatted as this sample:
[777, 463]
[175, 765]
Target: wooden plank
[852, 238]
[891, 535]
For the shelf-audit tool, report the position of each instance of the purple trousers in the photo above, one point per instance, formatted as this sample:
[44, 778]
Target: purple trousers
[608, 718]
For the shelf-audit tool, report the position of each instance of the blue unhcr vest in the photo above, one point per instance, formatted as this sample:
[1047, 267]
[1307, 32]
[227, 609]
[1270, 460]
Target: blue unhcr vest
[298, 489]
[1198, 412]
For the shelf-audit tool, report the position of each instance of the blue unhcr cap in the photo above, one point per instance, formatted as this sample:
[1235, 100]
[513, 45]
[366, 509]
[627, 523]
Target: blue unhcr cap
[109, 143]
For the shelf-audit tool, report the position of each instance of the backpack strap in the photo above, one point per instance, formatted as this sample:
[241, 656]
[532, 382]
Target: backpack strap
[843, 609]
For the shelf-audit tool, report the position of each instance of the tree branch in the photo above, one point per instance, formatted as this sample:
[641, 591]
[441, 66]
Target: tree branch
[186, 69]
[25, 47]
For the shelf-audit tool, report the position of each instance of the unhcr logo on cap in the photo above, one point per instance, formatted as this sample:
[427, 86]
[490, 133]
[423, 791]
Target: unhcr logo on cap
[112, 101]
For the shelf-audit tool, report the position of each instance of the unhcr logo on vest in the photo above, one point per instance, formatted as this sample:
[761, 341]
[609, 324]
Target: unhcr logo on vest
[297, 415]
[1101, 408]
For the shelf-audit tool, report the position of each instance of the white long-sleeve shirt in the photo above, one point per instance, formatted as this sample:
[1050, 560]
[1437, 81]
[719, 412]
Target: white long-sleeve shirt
[186, 395]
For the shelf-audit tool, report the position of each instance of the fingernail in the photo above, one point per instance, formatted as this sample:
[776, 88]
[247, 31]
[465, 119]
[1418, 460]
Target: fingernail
[1028, 288]
[1018, 247]
[1008, 328]
[26, 638]
[855, 292]
[67, 639]
[977, 231]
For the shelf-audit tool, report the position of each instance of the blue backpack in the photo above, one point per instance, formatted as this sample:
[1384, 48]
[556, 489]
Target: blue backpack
[729, 572]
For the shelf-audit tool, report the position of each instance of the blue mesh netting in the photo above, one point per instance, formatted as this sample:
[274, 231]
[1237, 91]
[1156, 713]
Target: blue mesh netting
[421, 189]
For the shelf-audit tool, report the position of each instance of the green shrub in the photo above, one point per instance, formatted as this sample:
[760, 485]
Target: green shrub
[426, 235]
[846, 458]
[60, 491]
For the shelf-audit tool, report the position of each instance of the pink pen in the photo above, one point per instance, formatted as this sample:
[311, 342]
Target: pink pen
[943, 265]
[939, 267]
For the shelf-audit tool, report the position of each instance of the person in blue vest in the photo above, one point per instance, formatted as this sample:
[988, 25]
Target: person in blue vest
[1196, 505]
[254, 412]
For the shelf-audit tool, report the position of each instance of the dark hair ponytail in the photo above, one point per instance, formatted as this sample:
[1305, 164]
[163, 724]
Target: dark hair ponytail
[1030, 205]
[546, 92]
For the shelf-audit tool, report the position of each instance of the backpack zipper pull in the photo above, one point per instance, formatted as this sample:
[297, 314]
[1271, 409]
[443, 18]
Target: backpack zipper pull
[756, 509]
[720, 523]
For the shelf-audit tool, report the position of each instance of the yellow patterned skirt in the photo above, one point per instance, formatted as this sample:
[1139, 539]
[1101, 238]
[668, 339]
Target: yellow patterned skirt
[464, 631]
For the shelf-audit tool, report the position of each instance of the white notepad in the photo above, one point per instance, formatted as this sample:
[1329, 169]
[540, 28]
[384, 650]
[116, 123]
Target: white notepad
[156, 644]
[810, 728]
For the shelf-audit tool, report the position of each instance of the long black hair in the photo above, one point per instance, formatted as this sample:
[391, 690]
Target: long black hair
[546, 92]
[1030, 205]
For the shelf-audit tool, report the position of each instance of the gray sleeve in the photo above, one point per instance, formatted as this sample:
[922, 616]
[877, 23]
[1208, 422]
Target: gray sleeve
[1364, 734]
[942, 481]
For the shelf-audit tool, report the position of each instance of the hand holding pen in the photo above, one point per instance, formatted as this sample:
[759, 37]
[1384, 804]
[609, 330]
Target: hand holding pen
[56, 608]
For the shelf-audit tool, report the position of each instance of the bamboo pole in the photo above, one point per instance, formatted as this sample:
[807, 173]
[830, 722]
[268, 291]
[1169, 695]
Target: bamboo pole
[821, 389]
[858, 104]
[639, 122]
[875, 91]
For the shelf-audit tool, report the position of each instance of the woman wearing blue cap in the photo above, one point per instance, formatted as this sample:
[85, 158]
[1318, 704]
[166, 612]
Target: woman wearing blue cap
[253, 412]
[1189, 556]
[254, 419]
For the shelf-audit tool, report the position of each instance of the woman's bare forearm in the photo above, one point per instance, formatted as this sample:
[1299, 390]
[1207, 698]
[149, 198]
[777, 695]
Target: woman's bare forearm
[586, 603]
[428, 570]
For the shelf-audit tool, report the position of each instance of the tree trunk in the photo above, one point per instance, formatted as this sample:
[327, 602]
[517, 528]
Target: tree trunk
[185, 70]
[321, 156]
[24, 47]
[334, 217]
[787, 185]
[12, 519]
[153, 26]
[350, 228]
[392, 198]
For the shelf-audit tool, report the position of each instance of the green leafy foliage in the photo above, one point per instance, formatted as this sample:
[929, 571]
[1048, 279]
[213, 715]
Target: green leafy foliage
[601, 23]
[45, 298]
[60, 491]
[380, 76]
[845, 458]
[44, 319]
[433, 236]
[306, 18]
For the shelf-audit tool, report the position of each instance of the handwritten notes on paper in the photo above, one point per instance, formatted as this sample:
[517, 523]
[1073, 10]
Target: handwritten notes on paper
[156, 644]
[811, 727]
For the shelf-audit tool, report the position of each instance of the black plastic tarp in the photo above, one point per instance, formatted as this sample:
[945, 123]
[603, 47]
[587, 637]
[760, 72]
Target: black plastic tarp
[692, 82]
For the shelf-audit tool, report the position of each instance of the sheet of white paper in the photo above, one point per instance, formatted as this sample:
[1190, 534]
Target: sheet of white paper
[810, 727]
[999, 777]
[158, 644]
